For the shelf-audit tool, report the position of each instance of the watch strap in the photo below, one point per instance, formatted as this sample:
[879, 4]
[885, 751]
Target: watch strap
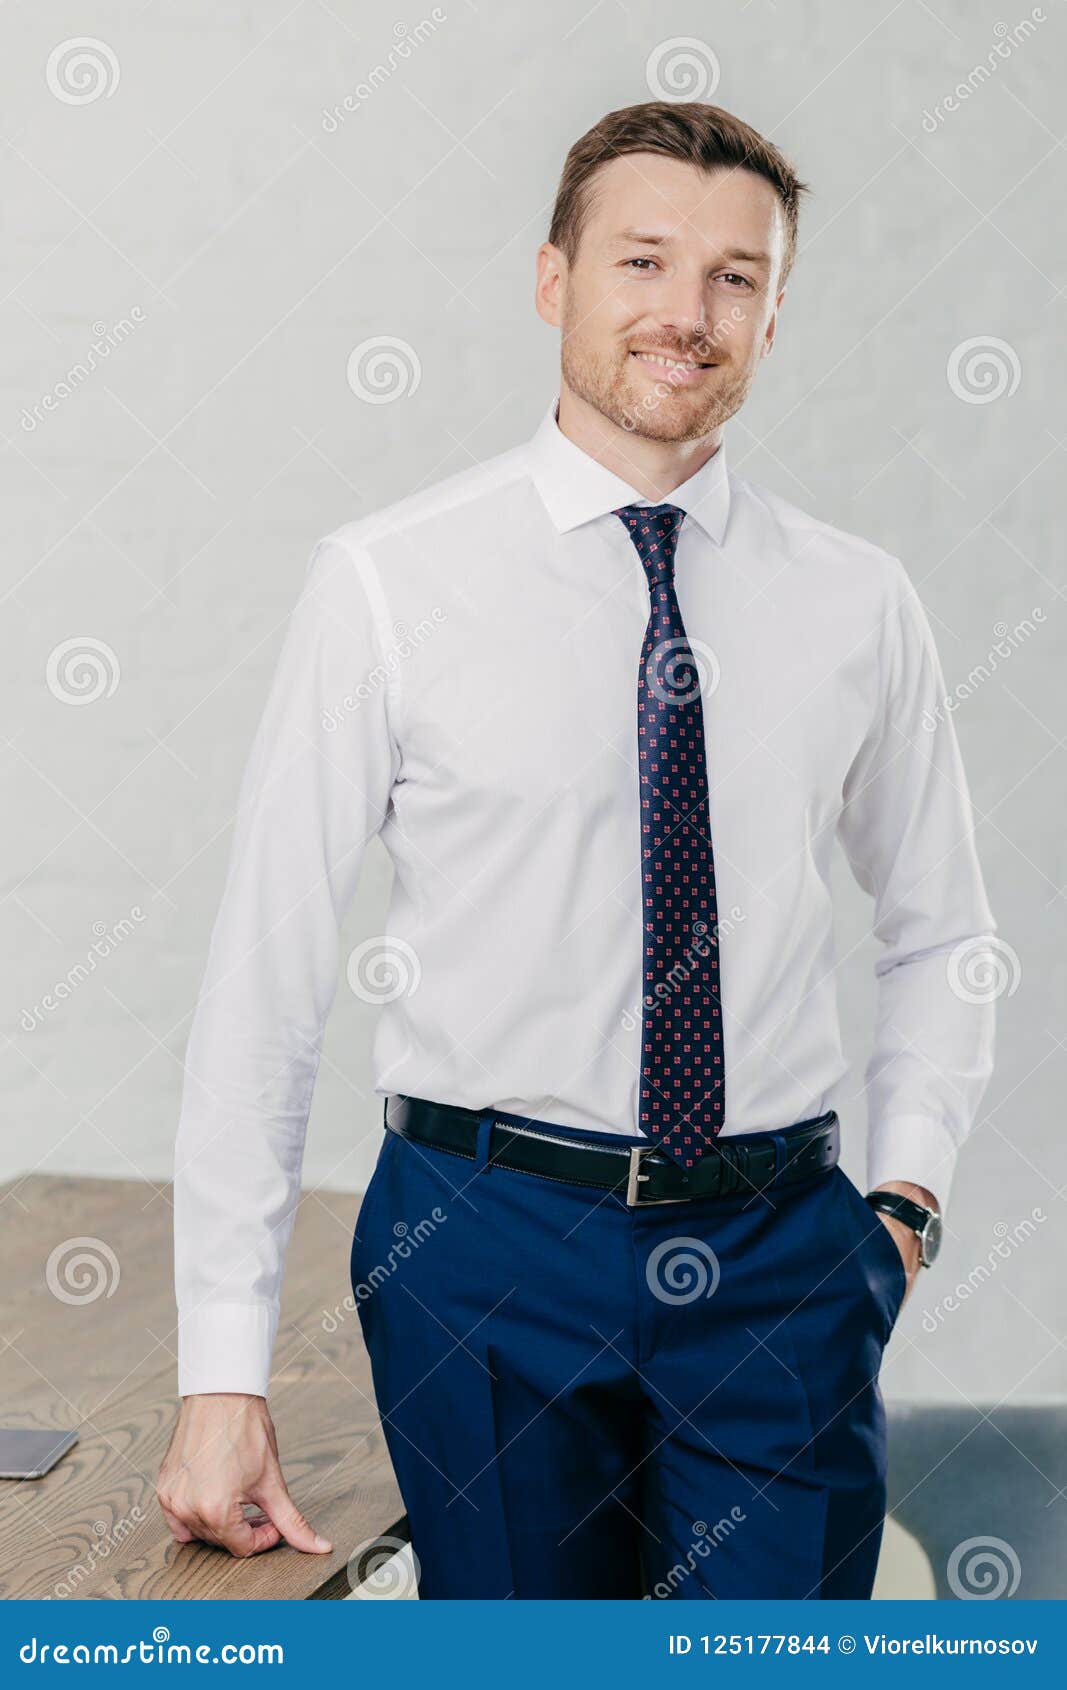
[892, 1203]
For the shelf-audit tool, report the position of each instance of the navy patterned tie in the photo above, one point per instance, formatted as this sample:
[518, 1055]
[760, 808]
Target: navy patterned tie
[683, 1082]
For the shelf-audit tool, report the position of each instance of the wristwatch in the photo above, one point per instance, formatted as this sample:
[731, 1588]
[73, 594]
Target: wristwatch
[925, 1222]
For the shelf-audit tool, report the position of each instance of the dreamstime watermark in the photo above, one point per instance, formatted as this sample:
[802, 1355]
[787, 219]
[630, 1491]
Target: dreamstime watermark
[408, 1239]
[106, 337]
[1008, 640]
[705, 1539]
[682, 1270]
[703, 350]
[107, 941]
[379, 1570]
[682, 68]
[983, 369]
[1008, 38]
[983, 1569]
[105, 1539]
[1009, 1239]
[157, 1651]
[681, 670]
[382, 369]
[405, 643]
[81, 670]
[383, 968]
[82, 70]
[80, 1270]
[705, 939]
[982, 970]
[407, 42]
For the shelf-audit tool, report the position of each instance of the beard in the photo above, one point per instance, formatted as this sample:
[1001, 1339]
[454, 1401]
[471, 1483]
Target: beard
[658, 411]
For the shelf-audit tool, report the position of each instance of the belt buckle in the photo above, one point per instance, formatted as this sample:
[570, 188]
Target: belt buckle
[633, 1195]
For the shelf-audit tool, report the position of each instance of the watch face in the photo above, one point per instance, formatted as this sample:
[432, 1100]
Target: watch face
[930, 1238]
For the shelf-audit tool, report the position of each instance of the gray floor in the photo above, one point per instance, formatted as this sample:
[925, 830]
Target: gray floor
[982, 1493]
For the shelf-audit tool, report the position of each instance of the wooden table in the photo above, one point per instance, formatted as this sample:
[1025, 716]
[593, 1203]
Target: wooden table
[106, 1364]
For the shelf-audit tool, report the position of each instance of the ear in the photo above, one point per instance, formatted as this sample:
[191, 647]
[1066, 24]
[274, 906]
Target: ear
[551, 281]
[772, 325]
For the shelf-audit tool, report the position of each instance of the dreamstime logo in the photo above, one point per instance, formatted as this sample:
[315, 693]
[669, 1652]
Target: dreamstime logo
[703, 348]
[159, 1651]
[106, 1539]
[982, 970]
[1008, 640]
[405, 43]
[983, 1569]
[682, 1270]
[406, 643]
[378, 1570]
[407, 1239]
[81, 670]
[1008, 38]
[106, 940]
[106, 337]
[82, 70]
[383, 369]
[682, 68]
[704, 941]
[1009, 1239]
[82, 1269]
[704, 1540]
[982, 369]
[382, 969]
[680, 670]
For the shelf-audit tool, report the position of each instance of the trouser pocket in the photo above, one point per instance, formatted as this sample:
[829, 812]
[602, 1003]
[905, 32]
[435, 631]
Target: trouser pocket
[876, 1251]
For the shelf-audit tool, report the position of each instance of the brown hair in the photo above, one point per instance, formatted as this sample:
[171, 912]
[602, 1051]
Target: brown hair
[706, 136]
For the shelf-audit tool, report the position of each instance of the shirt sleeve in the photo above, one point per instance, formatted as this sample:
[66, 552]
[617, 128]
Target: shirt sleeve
[315, 789]
[907, 830]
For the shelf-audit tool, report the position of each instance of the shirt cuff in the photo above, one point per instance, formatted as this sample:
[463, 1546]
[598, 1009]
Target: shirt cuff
[912, 1147]
[226, 1347]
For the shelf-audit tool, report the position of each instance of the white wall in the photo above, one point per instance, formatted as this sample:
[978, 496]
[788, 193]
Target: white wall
[167, 506]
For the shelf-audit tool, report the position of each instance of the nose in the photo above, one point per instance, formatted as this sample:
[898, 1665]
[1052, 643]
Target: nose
[682, 309]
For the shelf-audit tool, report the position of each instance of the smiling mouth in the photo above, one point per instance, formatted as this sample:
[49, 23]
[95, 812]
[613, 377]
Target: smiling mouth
[687, 366]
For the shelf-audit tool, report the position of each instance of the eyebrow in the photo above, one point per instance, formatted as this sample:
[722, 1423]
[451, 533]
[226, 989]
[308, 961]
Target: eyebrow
[644, 237]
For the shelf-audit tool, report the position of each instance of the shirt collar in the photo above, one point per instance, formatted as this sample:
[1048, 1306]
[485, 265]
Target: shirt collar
[575, 488]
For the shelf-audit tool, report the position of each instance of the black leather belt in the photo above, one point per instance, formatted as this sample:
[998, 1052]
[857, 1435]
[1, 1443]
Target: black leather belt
[643, 1173]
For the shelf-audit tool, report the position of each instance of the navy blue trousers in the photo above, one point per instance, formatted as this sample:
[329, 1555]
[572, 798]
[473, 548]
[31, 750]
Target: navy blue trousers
[582, 1399]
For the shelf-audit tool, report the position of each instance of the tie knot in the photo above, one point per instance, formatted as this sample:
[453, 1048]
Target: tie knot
[654, 530]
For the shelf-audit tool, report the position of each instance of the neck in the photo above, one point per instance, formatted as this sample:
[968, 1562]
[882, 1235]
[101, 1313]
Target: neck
[654, 468]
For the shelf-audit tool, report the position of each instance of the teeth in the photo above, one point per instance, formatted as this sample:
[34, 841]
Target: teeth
[671, 363]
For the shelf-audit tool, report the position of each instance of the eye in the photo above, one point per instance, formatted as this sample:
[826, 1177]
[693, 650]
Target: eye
[732, 277]
[635, 261]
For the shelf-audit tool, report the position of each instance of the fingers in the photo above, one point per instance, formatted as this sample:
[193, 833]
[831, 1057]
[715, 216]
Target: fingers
[220, 1458]
[265, 1535]
[225, 1526]
[273, 1497]
[178, 1530]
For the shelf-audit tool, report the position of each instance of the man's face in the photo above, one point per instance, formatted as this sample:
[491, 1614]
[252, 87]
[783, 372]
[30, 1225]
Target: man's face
[676, 267]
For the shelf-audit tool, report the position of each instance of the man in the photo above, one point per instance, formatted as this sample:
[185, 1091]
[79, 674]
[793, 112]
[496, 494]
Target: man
[608, 705]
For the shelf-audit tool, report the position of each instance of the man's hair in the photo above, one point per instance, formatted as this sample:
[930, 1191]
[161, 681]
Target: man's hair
[699, 134]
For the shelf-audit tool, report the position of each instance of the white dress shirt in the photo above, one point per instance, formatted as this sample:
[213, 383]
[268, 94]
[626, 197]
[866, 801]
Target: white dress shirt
[460, 676]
